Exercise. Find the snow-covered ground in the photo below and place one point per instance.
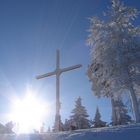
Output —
(130, 132)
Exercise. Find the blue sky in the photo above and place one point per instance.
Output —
(30, 33)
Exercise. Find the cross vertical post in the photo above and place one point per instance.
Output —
(58, 72)
(57, 115)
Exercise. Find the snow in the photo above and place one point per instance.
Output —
(128, 132)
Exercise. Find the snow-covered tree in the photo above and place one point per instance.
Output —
(54, 128)
(139, 104)
(42, 128)
(67, 125)
(49, 129)
(97, 122)
(79, 117)
(3, 129)
(137, 91)
(9, 126)
(114, 115)
(121, 112)
(115, 53)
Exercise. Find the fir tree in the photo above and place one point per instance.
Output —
(114, 115)
(42, 128)
(49, 129)
(67, 125)
(121, 113)
(97, 122)
(54, 129)
(79, 119)
(115, 53)
(9, 126)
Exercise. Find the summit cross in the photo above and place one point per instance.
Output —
(58, 71)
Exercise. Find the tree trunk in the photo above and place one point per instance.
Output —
(133, 98)
(134, 104)
(114, 117)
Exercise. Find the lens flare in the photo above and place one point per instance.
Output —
(28, 113)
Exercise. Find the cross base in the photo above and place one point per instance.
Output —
(58, 124)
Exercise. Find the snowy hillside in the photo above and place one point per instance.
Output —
(131, 132)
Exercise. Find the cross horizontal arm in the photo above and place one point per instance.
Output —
(71, 68)
(46, 75)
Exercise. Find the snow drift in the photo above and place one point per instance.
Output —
(129, 132)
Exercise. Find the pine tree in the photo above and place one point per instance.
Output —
(4, 129)
(79, 119)
(115, 54)
(114, 115)
(42, 128)
(121, 113)
(139, 104)
(67, 125)
(97, 122)
(49, 129)
(54, 129)
(9, 126)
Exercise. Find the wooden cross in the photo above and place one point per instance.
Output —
(58, 72)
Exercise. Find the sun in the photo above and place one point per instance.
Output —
(28, 113)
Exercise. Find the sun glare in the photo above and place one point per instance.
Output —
(28, 113)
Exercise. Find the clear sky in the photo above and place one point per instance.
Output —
(30, 33)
